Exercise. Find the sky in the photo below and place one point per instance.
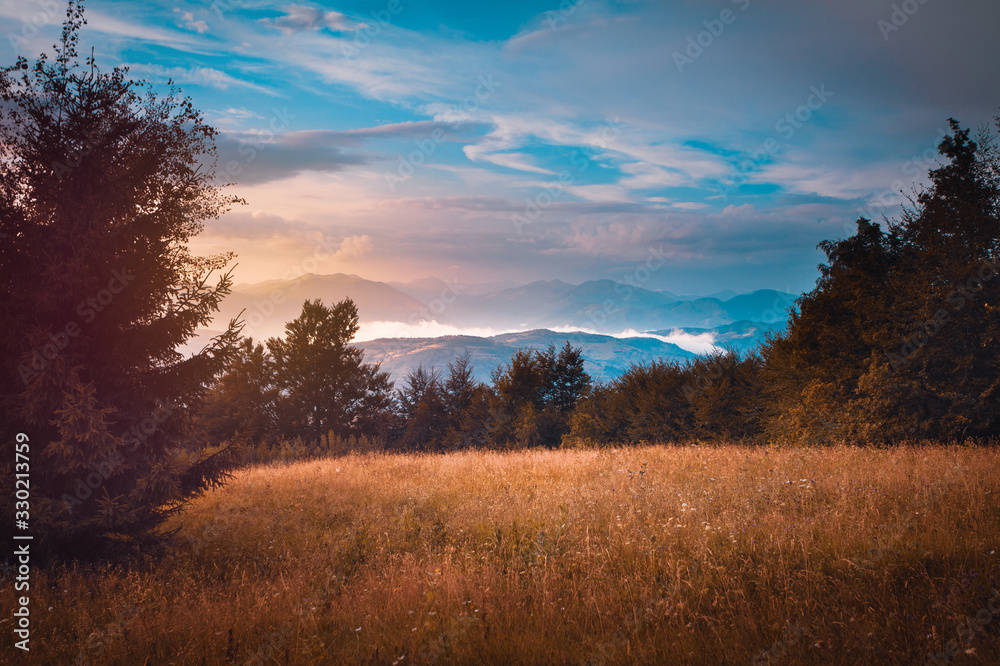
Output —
(715, 143)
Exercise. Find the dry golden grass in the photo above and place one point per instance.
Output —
(652, 555)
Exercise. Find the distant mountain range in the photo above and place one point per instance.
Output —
(601, 306)
(605, 357)
(267, 306)
(741, 336)
(614, 316)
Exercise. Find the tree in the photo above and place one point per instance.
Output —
(535, 394)
(324, 384)
(900, 337)
(103, 183)
(424, 410)
(466, 403)
(243, 404)
(569, 381)
(459, 387)
(649, 402)
(519, 396)
(812, 372)
(725, 402)
(938, 374)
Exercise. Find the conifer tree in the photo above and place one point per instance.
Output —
(900, 337)
(325, 387)
(243, 404)
(424, 410)
(102, 185)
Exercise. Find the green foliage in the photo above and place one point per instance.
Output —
(307, 387)
(243, 404)
(900, 335)
(472, 426)
(103, 184)
(712, 398)
(897, 341)
(423, 410)
(324, 384)
(535, 395)
(726, 403)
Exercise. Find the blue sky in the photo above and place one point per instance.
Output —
(400, 139)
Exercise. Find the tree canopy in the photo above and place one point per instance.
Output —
(103, 184)
(325, 384)
(899, 338)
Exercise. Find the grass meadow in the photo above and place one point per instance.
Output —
(658, 555)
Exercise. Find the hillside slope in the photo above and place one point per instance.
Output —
(605, 357)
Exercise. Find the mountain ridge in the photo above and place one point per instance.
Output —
(605, 356)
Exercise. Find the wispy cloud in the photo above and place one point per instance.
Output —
(368, 90)
(201, 76)
(138, 32)
(198, 25)
(354, 247)
(303, 17)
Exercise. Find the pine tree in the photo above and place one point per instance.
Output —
(466, 406)
(518, 388)
(534, 395)
(938, 373)
(103, 184)
(423, 407)
(459, 386)
(811, 374)
(243, 404)
(569, 380)
(900, 337)
(325, 386)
